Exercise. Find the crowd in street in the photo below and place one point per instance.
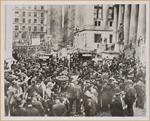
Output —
(103, 86)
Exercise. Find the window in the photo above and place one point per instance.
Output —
(98, 11)
(29, 21)
(29, 14)
(42, 21)
(41, 29)
(16, 12)
(29, 6)
(99, 23)
(98, 38)
(23, 27)
(111, 23)
(35, 28)
(42, 14)
(35, 14)
(16, 20)
(95, 23)
(23, 20)
(41, 36)
(110, 38)
(16, 35)
(24, 35)
(23, 14)
(97, 45)
(110, 13)
(35, 7)
(16, 27)
(42, 7)
(29, 28)
(35, 20)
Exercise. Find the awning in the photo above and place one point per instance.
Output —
(87, 55)
(44, 57)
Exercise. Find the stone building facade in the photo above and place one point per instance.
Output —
(30, 21)
(96, 25)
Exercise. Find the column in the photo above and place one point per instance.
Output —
(105, 15)
(142, 21)
(120, 17)
(115, 25)
(133, 23)
(127, 23)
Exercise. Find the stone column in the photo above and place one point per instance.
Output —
(105, 15)
(133, 23)
(127, 23)
(115, 24)
(142, 21)
(120, 17)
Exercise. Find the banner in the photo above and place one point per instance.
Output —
(35, 41)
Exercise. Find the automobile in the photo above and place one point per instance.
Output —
(43, 60)
(86, 56)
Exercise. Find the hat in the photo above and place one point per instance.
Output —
(19, 101)
(117, 94)
(142, 79)
(115, 82)
(129, 81)
(29, 100)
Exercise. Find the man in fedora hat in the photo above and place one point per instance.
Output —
(105, 96)
(70, 92)
(19, 110)
(140, 89)
(78, 96)
(59, 108)
(30, 110)
(130, 97)
(32, 88)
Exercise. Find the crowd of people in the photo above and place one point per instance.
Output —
(103, 86)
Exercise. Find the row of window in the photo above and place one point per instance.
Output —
(98, 23)
(98, 12)
(29, 7)
(29, 21)
(98, 38)
(29, 14)
(29, 28)
(24, 35)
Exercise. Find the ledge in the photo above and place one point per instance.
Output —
(111, 52)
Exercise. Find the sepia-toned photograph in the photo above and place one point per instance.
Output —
(72, 59)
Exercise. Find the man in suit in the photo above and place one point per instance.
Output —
(38, 105)
(105, 96)
(19, 110)
(59, 108)
(32, 88)
(140, 89)
(130, 97)
(70, 93)
(78, 96)
(30, 110)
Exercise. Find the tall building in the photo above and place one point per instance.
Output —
(8, 34)
(69, 23)
(96, 25)
(30, 21)
(55, 21)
